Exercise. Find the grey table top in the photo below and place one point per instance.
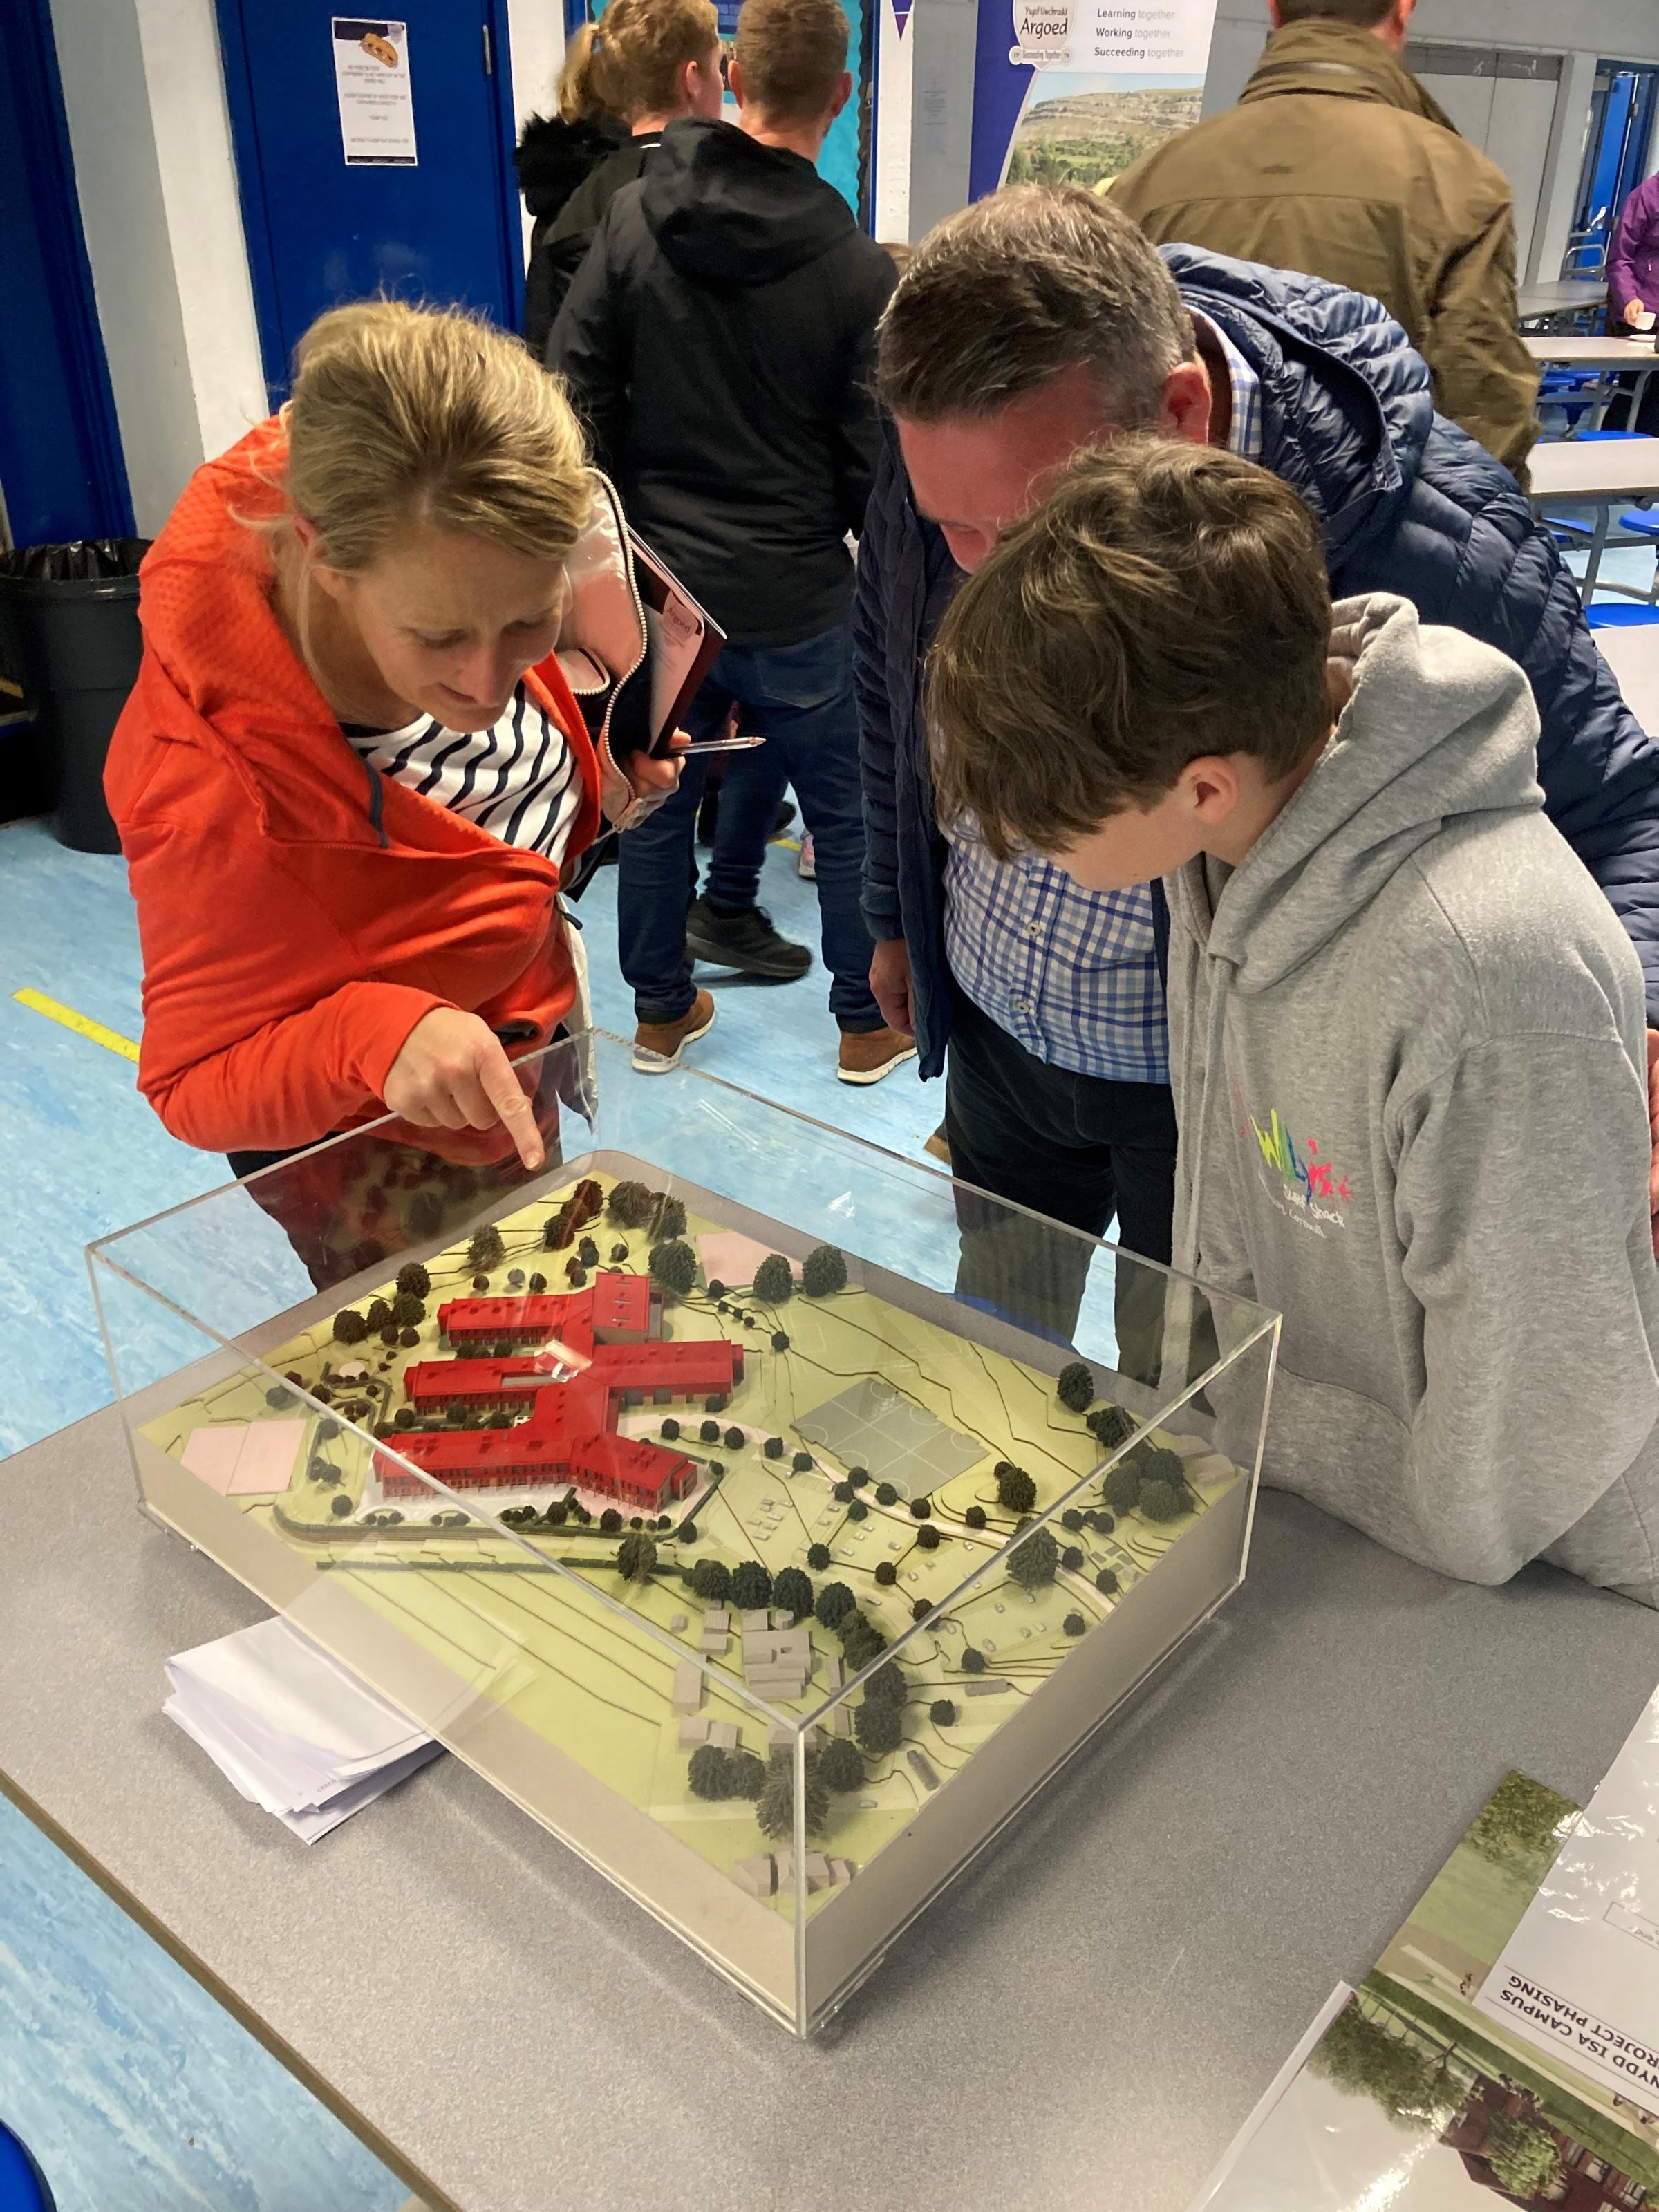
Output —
(1576, 468)
(1084, 2020)
(1634, 655)
(1575, 294)
(1571, 351)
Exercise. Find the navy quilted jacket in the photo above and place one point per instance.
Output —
(1408, 503)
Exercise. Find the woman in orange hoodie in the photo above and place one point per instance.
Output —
(351, 770)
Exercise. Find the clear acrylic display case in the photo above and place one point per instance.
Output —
(740, 1530)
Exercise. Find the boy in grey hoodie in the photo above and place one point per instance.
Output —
(1407, 1033)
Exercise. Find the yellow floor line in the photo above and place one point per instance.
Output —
(55, 1011)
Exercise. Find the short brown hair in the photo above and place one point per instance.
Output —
(1366, 13)
(793, 54)
(629, 64)
(1165, 602)
(1032, 281)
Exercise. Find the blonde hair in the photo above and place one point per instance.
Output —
(577, 98)
(793, 54)
(406, 415)
(629, 64)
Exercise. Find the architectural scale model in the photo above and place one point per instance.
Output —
(758, 1489)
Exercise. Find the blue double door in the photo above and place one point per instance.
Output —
(322, 228)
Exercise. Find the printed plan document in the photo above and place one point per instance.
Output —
(1580, 1975)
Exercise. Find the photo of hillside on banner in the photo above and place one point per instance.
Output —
(1072, 91)
(1413, 2100)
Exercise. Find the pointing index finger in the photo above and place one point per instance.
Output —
(506, 1094)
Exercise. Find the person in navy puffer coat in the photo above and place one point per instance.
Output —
(1327, 393)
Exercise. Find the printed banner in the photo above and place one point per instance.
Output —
(1074, 91)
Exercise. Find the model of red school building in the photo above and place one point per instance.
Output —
(571, 1434)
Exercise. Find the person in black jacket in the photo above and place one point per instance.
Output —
(719, 339)
(649, 63)
(556, 154)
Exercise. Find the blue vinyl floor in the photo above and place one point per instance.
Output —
(138, 2094)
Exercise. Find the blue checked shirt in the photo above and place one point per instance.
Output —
(1073, 973)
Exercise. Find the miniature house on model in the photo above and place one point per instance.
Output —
(571, 1434)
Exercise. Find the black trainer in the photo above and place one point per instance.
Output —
(746, 941)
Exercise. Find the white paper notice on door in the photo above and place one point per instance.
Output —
(377, 103)
(1580, 1975)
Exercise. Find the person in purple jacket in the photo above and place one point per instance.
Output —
(1633, 287)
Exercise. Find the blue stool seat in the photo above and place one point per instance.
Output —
(23, 2186)
(1642, 521)
(1631, 614)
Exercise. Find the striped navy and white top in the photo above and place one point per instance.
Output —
(518, 780)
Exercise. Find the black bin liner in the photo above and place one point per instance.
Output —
(69, 638)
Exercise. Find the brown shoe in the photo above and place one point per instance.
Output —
(868, 1055)
(658, 1045)
(939, 1146)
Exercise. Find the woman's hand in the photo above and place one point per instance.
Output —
(650, 781)
(453, 1074)
(1634, 311)
(649, 775)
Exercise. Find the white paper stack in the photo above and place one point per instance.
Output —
(290, 1728)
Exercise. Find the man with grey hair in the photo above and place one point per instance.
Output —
(1035, 323)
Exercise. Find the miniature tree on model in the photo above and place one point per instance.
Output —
(413, 1280)
(793, 1593)
(834, 1602)
(775, 1808)
(1032, 1563)
(674, 1267)
(818, 1557)
(1164, 1501)
(636, 1555)
(1016, 1491)
(879, 1726)
(349, 1326)
(408, 1311)
(861, 1641)
(631, 1204)
(823, 1272)
(841, 1766)
(773, 1279)
(1121, 1488)
(708, 1773)
(1075, 1387)
(711, 1581)
(1111, 1426)
(486, 1249)
(751, 1587)
(747, 1775)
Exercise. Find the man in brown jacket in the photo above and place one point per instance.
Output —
(1336, 161)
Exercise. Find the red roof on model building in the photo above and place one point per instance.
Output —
(571, 1434)
(614, 1308)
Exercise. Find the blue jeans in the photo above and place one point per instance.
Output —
(801, 695)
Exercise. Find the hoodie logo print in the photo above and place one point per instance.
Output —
(1315, 1180)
